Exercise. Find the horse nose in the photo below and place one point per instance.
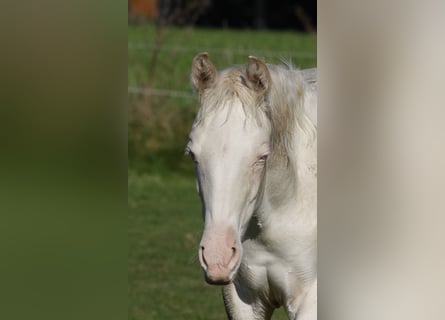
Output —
(202, 258)
(230, 263)
(219, 265)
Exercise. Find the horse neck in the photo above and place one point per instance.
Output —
(291, 176)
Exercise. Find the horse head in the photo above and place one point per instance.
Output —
(229, 144)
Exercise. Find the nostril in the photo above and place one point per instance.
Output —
(233, 259)
(202, 258)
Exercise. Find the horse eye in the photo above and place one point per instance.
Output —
(189, 152)
(262, 160)
(192, 156)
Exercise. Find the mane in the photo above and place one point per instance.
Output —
(283, 107)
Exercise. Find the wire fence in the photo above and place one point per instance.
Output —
(228, 52)
(160, 92)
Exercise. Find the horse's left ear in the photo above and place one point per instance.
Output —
(258, 75)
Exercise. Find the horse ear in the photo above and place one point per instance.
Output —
(258, 75)
(203, 72)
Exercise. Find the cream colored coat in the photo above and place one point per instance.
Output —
(253, 145)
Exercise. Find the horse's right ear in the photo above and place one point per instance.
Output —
(258, 75)
(203, 72)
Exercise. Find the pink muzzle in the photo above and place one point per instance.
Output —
(219, 254)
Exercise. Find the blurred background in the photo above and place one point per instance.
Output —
(165, 226)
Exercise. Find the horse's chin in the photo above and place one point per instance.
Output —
(221, 280)
(218, 282)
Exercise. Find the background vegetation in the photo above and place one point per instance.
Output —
(164, 277)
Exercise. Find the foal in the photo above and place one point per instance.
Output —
(253, 145)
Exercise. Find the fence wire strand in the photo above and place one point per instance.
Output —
(160, 92)
(133, 90)
(270, 53)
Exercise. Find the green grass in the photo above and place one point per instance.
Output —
(165, 281)
(180, 45)
(164, 277)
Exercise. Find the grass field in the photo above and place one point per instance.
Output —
(164, 277)
(165, 281)
(179, 45)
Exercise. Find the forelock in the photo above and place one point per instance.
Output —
(231, 86)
